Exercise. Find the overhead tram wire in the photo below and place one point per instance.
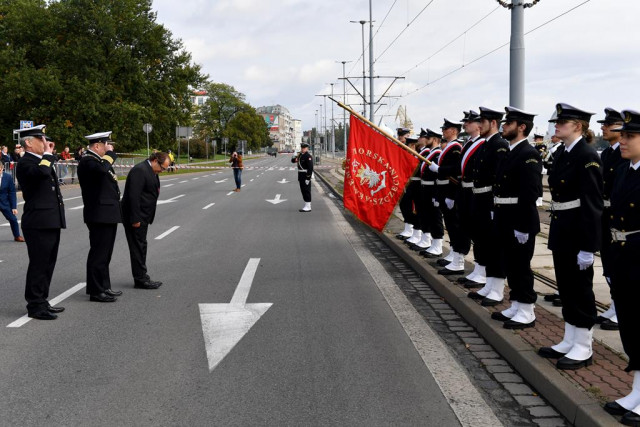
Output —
(495, 50)
(403, 30)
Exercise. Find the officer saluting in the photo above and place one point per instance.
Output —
(42, 219)
(625, 252)
(575, 184)
(305, 172)
(101, 198)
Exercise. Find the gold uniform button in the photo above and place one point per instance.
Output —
(622, 243)
(631, 205)
(622, 219)
(562, 181)
(611, 216)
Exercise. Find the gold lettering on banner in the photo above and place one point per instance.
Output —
(377, 182)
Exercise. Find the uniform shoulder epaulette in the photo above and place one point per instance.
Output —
(532, 161)
(588, 165)
(501, 150)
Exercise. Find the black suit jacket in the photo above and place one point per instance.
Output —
(577, 175)
(625, 204)
(43, 204)
(486, 159)
(449, 167)
(519, 175)
(611, 160)
(141, 193)
(100, 192)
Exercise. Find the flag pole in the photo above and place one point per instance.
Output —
(381, 131)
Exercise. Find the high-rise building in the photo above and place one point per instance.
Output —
(285, 132)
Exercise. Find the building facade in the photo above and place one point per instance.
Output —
(284, 131)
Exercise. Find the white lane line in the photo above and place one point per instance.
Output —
(166, 180)
(243, 185)
(76, 208)
(230, 193)
(250, 180)
(66, 294)
(166, 233)
(193, 179)
(182, 182)
(168, 185)
(462, 396)
(244, 286)
(208, 206)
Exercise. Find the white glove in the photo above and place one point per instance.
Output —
(434, 167)
(491, 215)
(435, 203)
(307, 182)
(585, 260)
(449, 203)
(522, 237)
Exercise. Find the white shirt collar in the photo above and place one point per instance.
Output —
(490, 136)
(97, 155)
(636, 165)
(570, 146)
(512, 146)
(615, 146)
(34, 154)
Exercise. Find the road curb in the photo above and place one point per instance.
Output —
(574, 404)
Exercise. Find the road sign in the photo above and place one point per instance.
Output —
(26, 124)
(147, 127)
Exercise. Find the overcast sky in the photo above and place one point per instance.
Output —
(286, 51)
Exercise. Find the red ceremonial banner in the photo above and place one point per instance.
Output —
(376, 172)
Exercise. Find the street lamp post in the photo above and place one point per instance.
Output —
(371, 112)
(344, 101)
(333, 132)
(364, 78)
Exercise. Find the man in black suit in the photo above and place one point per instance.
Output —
(516, 222)
(42, 219)
(101, 198)
(141, 193)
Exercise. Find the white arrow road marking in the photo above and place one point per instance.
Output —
(284, 181)
(166, 233)
(66, 294)
(208, 206)
(76, 208)
(282, 169)
(171, 200)
(276, 200)
(224, 325)
(218, 182)
(168, 185)
(193, 179)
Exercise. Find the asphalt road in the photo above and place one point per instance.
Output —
(329, 351)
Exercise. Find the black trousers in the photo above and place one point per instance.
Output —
(515, 259)
(137, 240)
(430, 216)
(406, 206)
(42, 248)
(485, 242)
(605, 248)
(626, 294)
(465, 215)
(576, 289)
(305, 189)
(459, 242)
(101, 240)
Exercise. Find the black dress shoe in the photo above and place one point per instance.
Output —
(102, 297)
(43, 315)
(442, 262)
(462, 280)
(609, 325)
(600, 319)
(510, 324)
(401, 237)
(113, 293)
(156, 282)
(486, 302)
(470, 284)
(550, 353)
(302, 210)
(557, 302)
(430, 255)
(631, 419)
(145, 285)
(55, 309)
(567, 364)
(614, 408)
(447, 272)
(497, 315)
(476, 296)
(551, 297)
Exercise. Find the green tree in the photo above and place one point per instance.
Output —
(81, 66)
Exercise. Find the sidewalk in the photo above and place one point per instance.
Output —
(578, 395)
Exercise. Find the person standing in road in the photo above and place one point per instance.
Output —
(9, 202)
(611, 160)
(516, 221)
(575, 234)
(625, 252)
(139, 202)
(42, 219)
(305, 172)
(101, 212)
(236, 164)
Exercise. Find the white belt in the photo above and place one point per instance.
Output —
(505, 200)
(467, 184)
(555, 206)
(442, 181)
(482, 190)
(415, 178)
(607, 203)
(302, 170)
(621, 236)
(428, 182)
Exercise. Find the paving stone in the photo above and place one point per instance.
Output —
(493, 362)
(530, 401)
(454, 323)
(542, 411)
(462, 328)
(468, 335)
(508, 378)
(549, 422)
(499, 369)
(480, 347)
(518, 389)
(450, 317)
(472, 340)
(487, 354)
